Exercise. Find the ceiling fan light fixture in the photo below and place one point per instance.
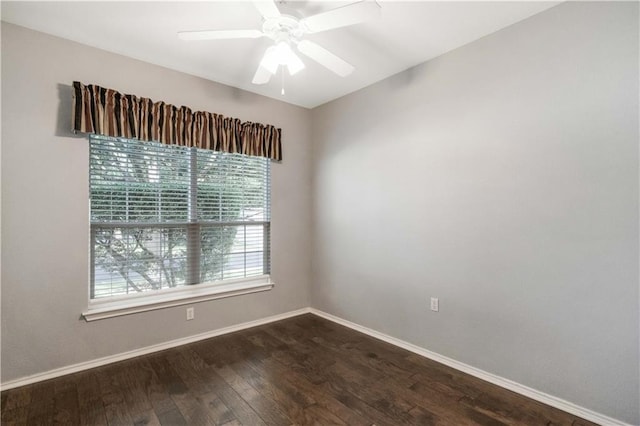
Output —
(281, 54)
(270, 60)
(294, 64)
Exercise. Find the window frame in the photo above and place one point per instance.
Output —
(112, 306)
(143, 302)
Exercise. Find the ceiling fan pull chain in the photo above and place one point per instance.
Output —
(282, 91)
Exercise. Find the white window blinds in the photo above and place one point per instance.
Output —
(166, 216)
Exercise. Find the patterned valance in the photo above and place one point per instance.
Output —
(110, 113)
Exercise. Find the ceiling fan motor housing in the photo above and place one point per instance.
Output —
(285, 28)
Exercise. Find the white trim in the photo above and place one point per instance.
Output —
(146, 350)
(545, 398)
(115, 307)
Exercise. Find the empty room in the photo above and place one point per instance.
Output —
(320, 212)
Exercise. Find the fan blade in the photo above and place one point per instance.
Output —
(342, 16)
(262, 75)
(295, 64)
(325, 58)
(267, 9)
(219, 34)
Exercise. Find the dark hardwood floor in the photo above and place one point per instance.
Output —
(303, 370)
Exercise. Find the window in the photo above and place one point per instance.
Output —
(166, 217)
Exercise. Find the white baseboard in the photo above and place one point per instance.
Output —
(545, 398)
(146, 350)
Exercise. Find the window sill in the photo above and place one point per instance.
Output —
(113, 307)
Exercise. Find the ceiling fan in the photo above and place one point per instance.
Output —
(287, 32)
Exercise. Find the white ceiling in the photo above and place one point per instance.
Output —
(406, 34)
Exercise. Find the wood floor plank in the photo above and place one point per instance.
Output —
(300, 356)
(202, 409)
(317, 415)
(167, 375)
(201, 388)
(193, 410)
(148, 418)
(20, 397)
(243, 376)
(41, 408)
(391, 398)
(278, 385)
(266, 408)
(218, 411)
(382, 398)
(65, 401)
(241, 410)
(303, 370)
(358, 406)
(184, 387)
(301, 359)
(156, 392)
(15, 405)
(172, 417)
(115, 406)
(90, 406)
(441, 405)
(294, 385)
(14, 416)
(131, 379)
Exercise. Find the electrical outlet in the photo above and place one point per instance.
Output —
(435, 304)
(190, 313)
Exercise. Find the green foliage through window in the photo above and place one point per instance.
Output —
(166, 216)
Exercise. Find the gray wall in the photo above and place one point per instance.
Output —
(45, 205)
(501, 177)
